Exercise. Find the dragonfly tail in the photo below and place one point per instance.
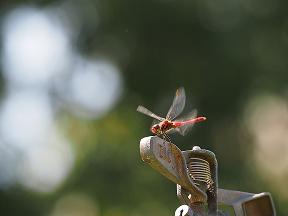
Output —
(184, 126)
(190, 121)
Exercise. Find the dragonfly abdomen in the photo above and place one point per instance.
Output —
(190, 121)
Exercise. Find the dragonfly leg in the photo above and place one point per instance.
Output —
(166, 137)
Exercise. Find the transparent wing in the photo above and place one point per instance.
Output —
(177, 105)
(183, 130)
(147, 112)
(172, 131)
(155, 121)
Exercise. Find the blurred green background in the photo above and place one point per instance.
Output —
(74, 72)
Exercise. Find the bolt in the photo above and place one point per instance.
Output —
(195, 148)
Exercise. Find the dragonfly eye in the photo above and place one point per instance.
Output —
(155, 129)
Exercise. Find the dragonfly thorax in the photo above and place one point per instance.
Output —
(162, 127)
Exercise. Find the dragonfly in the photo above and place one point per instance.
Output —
(170, 124)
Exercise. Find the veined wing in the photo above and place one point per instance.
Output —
(147, 112)
(177, 105)
(183, 130)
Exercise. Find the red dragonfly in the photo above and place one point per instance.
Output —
(169, 124)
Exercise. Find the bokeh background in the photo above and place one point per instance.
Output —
(73, 73)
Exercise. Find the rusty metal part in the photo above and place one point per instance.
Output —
(195, 173)
(203, 167)
(185, 199)
(247, 204)
(168, 159)
(200, 172)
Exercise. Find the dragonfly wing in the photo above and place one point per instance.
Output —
(147, 112)
(155, 121)
(177, 105)
(183, 130)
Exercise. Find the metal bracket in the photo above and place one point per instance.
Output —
(168, 159)
(246, 204)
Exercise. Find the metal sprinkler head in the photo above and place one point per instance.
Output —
(195, 172)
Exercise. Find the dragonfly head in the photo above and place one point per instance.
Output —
(155, 129)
